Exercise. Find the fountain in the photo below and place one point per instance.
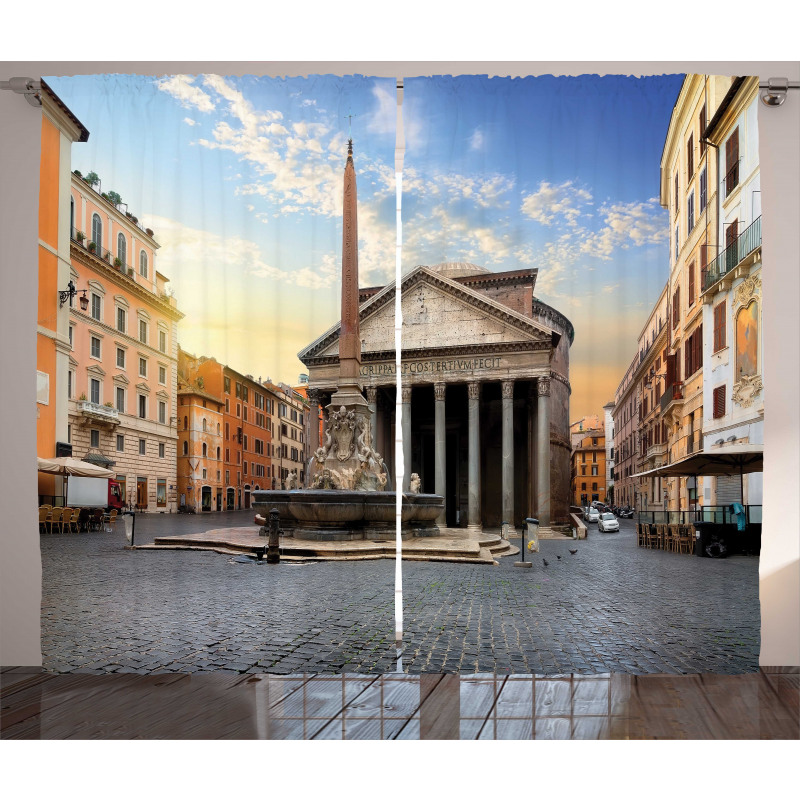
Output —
(346, 496)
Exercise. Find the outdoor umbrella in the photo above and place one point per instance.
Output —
(741, 458)
(72, 466)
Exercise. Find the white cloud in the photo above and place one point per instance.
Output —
(190, 121)
(193, 256)
(627, 225)
(549, 204)
(476, 140)
(182, 88)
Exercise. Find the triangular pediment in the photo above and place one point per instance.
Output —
(437, 312)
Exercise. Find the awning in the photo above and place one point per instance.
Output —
(66, 465)
(99, 459)
(735, 459)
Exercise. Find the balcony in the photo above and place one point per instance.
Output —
(723, 267)
(105, 255)
(673, 395)
(94, 412)
(656, 450)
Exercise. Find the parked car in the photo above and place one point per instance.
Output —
(607, 523)
(592, 514)
(626, 513)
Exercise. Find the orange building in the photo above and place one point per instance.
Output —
(246, 431)
(122, 381)
(200, 441)
(289, 433)
(589, 467)
(60, 128)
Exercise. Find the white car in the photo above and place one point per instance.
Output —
(592, 514)
(608, 522)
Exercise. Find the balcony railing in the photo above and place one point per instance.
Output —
(96, 410)
(733, 255)
(101, 252)
(671, 393)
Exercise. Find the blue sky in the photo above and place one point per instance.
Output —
(240, 178)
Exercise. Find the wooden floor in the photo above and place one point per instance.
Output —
(38, 705)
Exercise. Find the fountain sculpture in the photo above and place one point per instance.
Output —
(347, 498)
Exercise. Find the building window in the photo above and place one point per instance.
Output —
(676, 244)
(120, 358)
(143, 264)
(676, 307)
(96, 306)
(71, 336)
(693, 352)
(120, 399)
(703, 190)
(690, 156)
(120, 443)
(719, 402)
(719, 326)
(205, 425)
(70, 384)
(69, 434)
(161, 449)
(95, 347)
(227, 382)
(677, 196)
(161, 492)
(218, 453)
(162, 374)
(227, 476)
(594, 487)
(142, 447)
(185, 447)
(122, 323)
(205, 450)
(162, 412)
(691, 284)
(162, 341)
(702, 130)
(732, 162)
(142, 331)
(142, 407)
(94, 438)
(94, 391)
(594, 469)
(142, 367)
(122, 249)
(690, 211)
(205, 473)
(227, 406)
(97, 231)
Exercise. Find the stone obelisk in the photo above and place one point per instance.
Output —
(348, 392)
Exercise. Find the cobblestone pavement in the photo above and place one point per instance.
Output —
(613, 607)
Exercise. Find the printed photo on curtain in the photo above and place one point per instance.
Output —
(217, 335)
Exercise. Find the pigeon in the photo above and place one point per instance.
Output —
(546, 562)
(558, 557)
(572, 552)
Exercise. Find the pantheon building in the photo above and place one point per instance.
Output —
(485, 390)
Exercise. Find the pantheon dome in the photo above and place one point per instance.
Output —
(458, 269)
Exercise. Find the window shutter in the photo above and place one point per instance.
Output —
(719, 326)
(699, 343)
(719, 402)
(690, 156)
(691, 283)
(702, 130)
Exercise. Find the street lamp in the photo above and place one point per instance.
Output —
(69, 293)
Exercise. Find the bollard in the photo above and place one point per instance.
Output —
(273, 553)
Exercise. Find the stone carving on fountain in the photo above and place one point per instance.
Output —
(347, 459)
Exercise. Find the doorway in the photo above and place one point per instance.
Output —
(141, 493)
(205, 498)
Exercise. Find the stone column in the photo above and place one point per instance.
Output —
(474, 458)
(508, 457)
(314, 397)
(543, 452)
(406, 429)
(372, 403)
(440, 440)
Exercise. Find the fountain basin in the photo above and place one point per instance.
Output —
(343, 515)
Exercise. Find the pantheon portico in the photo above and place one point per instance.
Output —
(485, 390)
